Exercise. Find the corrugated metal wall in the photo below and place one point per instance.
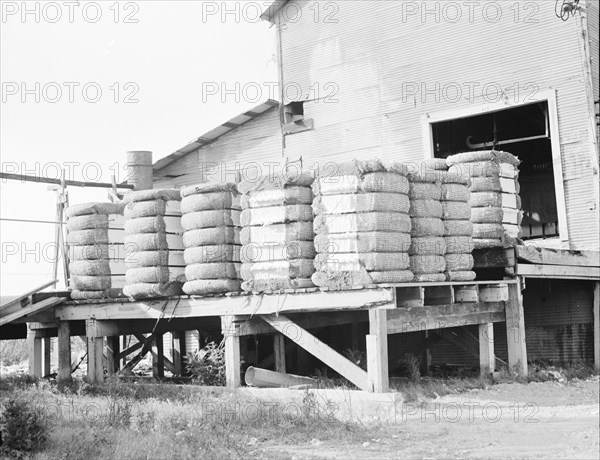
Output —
(364, 78)
(255, 144)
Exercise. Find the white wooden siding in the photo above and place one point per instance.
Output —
(374, 51)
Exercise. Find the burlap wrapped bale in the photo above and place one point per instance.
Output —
(427, 226)
(206, 287)
(459, 262)
(151, 195)
(494, 184)
(459, 244)
(422, 264)
(145, 209)
(457, 227)
(380, 261)
(111, 293)
(278, 233)
(209, 201)
(276, 215)
(455, 192)
(86, 209)
(361, 202)
(495, 199)
(425, 208)
(484, 155)
(429, 278)
(278, 270)
(376, 182)
(432, 245)
(280, 284)
(88, 237)
(425, 191)
(213, 271)
(212, 253)
(292, 178)
(90, 267)
(209, 187)
(152, 290)
(363, 222)
(484, 243)
(145, 225)
(213, 218)
(87, 222)
(89, 252)
(348, 280)
(277, 197)
(90, 283)
(211, 236)
(160, 274)
(455, 210)
(467, 275)
(254, 252)
(145, 242)
(362, 242)
(358, 168)
(148, 258)
(486, 169)
(490, 215)
(488, 231)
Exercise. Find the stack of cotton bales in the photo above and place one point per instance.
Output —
(153, 244)
(495, 203)
(428, 247)
(277, 233)
(458, 229)
(211, 222)
(362, 225)
(95, 242)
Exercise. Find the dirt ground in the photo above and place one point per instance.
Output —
(537, 420)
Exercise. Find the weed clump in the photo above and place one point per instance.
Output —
(24, 426)
(207, 365)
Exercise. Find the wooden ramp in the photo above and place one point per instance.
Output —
(24, 305)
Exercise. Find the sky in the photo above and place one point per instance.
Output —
(85, 82)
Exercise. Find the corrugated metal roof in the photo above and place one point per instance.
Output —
(217, 132)
(272, 10)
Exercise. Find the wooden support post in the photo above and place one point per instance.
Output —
(425, 368)
(34, 351)
(597, 326)
(279, 352)
(124, 347)
(178, 353)
(377, 351)
(232, 361)
(47, 356)
(158, 359)
(515, 330)
(487, 360)
(95, 370)
(64, 350)
(112, 354)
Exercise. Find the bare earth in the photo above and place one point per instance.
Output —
(537, 420)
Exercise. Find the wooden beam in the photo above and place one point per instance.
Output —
(112, 353)
(248, 305)
(34, 351)
(31, 309)
(103, 328)
(178, 352)
(64, 351)
(558, 271)
(320, 350)
(95, 352)
(51, 180)
(17, 301)
(493, 293)
(466, 294)
(47, 356)
(487, 361)
(544, 256)
(377, 352)
(597, 326)
(515, 331)
(158, 357)
(443, 316)
(279, 353)
(232, 361)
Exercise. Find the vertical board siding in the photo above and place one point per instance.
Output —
(389, 68)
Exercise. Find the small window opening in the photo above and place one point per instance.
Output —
(523, 131)
(294, 121)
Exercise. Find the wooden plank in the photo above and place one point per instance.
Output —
(96, 328)
(55, 181)
(17, 300)
(34, 352)
(558, 271)
(410, 296)
(112, 353)
(158, 357)
(32, 309)
(178, 352)
(95, 370)
(439, 295)
(64, 350)
(232, 361)
(377, 352)
(546, 256)
(320, 350)
(466, 294)
(241, 305)
(493, 293)
(515, 331)
(443, 316)
(487, 360)
(494, 258)
(597, 326)
(279, 353)
(47, 356)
